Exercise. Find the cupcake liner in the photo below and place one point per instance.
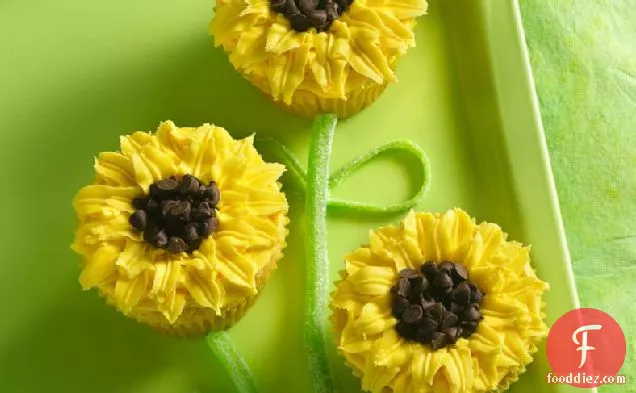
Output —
(198, 321)
(309, 105)
(205, 320)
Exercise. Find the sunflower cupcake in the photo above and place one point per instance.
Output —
(181, 229)
(317, 56)
(438, 304)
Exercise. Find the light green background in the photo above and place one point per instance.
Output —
(75, 74)
(583, 53)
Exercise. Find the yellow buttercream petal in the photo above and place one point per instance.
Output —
(372, 280)
(185, 292)
(340, 70)
(490, 359)
(99, 267)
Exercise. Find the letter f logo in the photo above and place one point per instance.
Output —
(584, 348)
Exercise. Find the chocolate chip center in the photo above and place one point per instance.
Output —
(437, 304)
(177, 214)
(305, 14)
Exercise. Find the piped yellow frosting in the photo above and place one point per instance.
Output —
(490, 359)
(182, 293)
(338, 71)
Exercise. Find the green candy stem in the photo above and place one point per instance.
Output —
(317, 284)
(337, 205)
(316, 185)
(224, 349)
(299, 176)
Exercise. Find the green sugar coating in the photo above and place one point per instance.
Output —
(225, 351)
(317, 280)
(316, 185)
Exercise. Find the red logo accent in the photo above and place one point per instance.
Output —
(587, 344)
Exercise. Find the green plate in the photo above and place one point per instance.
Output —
(75, 74)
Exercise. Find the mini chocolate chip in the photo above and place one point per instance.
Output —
(189, 184)
(417, 283)
(167, 186)
(152, 206)
(190, 232)
(139, 220)
(150, 232)
(426, 303)
(177, 245)
(436, 299)
(412, 314)
(448, 320)
(160, 239)
(456, 309)
(399, 305)
(209, 226)
(468, 327)
(204, 210)
(292, 8)
(279, 6)
(169, 208)
(452, 334)
(153, 190)
(461, 293)
(460, 273)
(140, 203)
(471, 314)
(423, 336)
(307, 6)
(405, 330)
(180, 210)
(204, 206)
(438, 340)
(167, 205)
(443, 280)
(476, 296)
(194, 244)
(429, 269)
(404, 287)
(425, 284)
(332, 10)
(299, 22)
(435, 311)
(409, 273)
(443, 293)
(428, 325)
(212, 193)
(447, 266)
(318, 18)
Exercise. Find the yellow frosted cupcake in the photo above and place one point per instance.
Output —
(312, 57)
(438, 304)
(181, 229)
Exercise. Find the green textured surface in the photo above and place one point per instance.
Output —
(75, 74)
(583, 54)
